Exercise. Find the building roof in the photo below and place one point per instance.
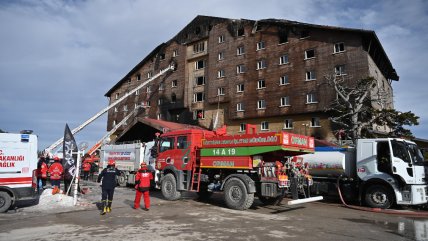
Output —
(370, 42)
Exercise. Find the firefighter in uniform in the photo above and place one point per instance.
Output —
(42, 173)
(56, 170)
(142, 181)
(108, 176)
(86, 169)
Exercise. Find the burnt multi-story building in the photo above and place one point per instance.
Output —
(270, 73)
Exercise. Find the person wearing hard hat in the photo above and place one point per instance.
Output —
(86, 169)
(142, 181)
(108, 176)
(56, 171)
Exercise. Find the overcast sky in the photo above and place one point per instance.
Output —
(59, 58)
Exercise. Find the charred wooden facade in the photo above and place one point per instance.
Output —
(268, 72)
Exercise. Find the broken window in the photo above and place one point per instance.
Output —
(242, 127)
(198, 97)
(199, 47)
(138, 76)
(200, 64)
(339, 70)
(283, 36)
(200, 80)
(339, 47)
(309, 54)
(174, 83)
(315, 122)
(240, 31)
(304, 34)
(162, 56)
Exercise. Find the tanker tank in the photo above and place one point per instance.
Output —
(331, 162)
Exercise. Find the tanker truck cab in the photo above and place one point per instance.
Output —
(392, 171)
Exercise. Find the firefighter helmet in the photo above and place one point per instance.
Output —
(111, 162)
(143, 164)
(56, 158)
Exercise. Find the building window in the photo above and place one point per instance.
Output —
(240, 50)
(260, 45)
(198, 97)
(240, 107)
(138, 77)
(135, 106)
(261, 64)
(264, 126)
(285, 101)
(149, 75)
(125, 108)
(310, 75)
(240, 88)
(198, 114)
(160, 101)
(261, 84)
(283, 59)
(242, 127)
(240, 31)
(240, 69)
(114, 122)
(221, 39)
(339, 47)
(162, 56)
(261, 104)
(117, 96)
(288, 124)
(199, 47)
(175, 53)
(149, 89)
(309, 54)
(220, 73)
(221, 56)
(315, 122)
(115, 109)
(159, 116)
(200, 80)
(283, 37)
(174, 83)
(173, 98)
(220, 91)
(311, 98)
(161, 86)
(339, 70)
(137, 92)
(200, 64)
(129, 81)
(283, 80)
(146, 103)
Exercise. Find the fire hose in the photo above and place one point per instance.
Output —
(379, 210)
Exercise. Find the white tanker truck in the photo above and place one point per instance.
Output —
(378, 172)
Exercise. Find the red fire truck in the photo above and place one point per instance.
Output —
(240, 166)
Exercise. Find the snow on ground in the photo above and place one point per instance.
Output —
(58, 202)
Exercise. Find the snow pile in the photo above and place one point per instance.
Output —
(54, 203)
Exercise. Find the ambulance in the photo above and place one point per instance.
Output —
(18, 165)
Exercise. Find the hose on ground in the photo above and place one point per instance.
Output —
(379, 210)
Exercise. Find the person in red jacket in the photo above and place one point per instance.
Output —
(42, 173)
(86, 169)
(56, 170)
(142, 180)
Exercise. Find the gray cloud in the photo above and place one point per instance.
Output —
(59, 58)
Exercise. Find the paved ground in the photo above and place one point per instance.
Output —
(189, 219)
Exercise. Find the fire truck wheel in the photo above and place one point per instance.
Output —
(121, 180)
(236, 195)
(378, 196)
(169, 188)
(5, 202)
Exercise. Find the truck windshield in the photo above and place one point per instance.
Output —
(416, 154)
(399, 149)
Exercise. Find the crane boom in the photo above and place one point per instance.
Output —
(79, 128)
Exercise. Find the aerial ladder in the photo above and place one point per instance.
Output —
(90, 120)
(123, 121)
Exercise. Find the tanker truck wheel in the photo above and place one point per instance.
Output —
(5, 202)
(379, 196)
(169, 188)
(236, 195)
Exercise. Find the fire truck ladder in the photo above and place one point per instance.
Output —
(196, 175)
(90, 120)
